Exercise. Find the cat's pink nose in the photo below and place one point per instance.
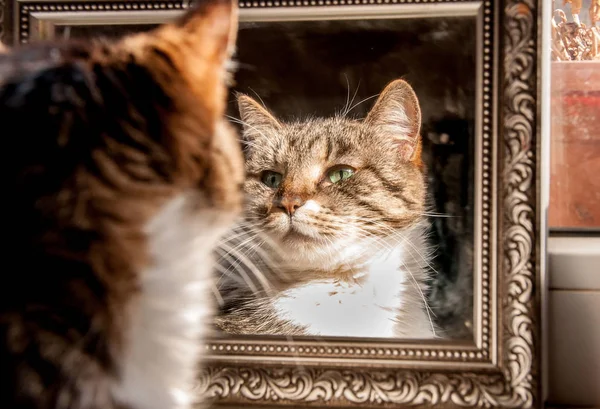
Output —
(290, 204)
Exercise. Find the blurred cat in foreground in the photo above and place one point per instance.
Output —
(120, 179)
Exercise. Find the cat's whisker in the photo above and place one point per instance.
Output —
(433, 215)
(234, 119)
(248, 238)
(348, 108)
(330, 249)
(243, 278)
(244, 258)
(264, 256)
(228, 249)
(414, 248)
(217, 294)
(428, 309)
(234, 235)
(234, 263)
(377, 242)
(397, 235)
(245, 124)
(264, 236)
(259, 98)
(347, 104)
(242, 230)
(361, 102)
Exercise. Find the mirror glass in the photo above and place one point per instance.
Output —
(359, 138)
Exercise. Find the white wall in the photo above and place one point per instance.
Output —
(573, 332)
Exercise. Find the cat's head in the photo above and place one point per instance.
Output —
(100, 130)
(332, 189)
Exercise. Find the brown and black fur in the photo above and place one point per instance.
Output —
(331, 245)
(97, 137)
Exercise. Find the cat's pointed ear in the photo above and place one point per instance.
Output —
(256, 119)
(397, 115)
(199, 44)
(208, 28)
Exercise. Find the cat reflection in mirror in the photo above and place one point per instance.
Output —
(333, 242)
(120, 176)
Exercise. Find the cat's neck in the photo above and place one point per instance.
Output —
(366, 260)
(382, 293)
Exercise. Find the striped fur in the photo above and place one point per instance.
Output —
(352, 259)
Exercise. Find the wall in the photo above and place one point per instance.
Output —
(574, 321)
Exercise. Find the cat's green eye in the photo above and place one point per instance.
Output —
(338, 174)
(271, 179)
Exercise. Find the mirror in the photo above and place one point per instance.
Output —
(385, 251)
(368, 120)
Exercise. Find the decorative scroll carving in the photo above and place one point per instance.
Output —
(519, 192)
(342, 387)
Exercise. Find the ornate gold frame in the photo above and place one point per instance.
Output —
(501, 367)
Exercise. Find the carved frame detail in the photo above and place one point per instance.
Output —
(501, 368)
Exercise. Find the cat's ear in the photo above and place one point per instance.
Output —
(3, 48)
(256, 118)
(397, 115)
(197, 46)
(207, 29)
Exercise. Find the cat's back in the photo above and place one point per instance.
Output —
(119, 179)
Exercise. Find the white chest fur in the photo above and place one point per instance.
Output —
(368, 309)
(163, 342)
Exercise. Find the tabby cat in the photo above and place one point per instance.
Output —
(120, 177)
(333, 242)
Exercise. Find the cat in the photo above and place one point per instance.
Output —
(345, 64)
(339, 206)
(121, 175)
